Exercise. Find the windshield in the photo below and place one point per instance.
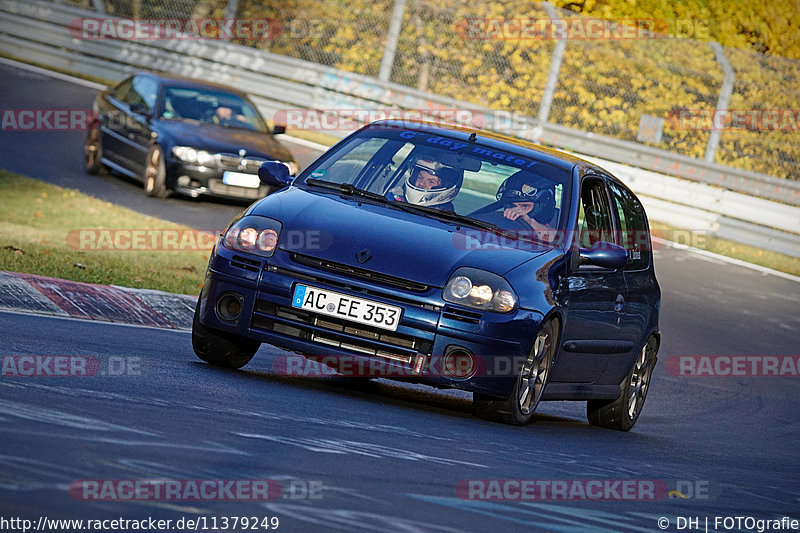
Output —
(502, 188)
(212, 107)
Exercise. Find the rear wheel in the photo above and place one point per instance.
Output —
(623, 412)
(155, 174)
(520, 405)
(220, 348)
(93, 153)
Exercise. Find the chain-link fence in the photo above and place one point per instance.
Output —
(501, 54)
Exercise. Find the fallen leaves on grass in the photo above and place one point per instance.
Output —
(14, 250)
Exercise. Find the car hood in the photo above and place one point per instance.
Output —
(217, 139)
(401, 244)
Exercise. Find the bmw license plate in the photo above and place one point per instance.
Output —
(240, 179)
(346, 307)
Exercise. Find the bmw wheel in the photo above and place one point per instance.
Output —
(519, 407)
(623, 412)
(93, 153)
(155, 174)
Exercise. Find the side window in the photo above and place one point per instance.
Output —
(594, 214)
(143, 91)
(347, 168)
(122, 90)
(634, 233)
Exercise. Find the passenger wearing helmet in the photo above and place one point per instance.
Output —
(529, 198)
(431, 184)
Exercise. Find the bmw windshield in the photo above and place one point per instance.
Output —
(450, 178)
(211, 107)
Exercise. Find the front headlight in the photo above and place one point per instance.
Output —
(254, 234)
(480, 289)
(187, 154)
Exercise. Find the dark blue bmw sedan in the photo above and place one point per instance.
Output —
(178, 134)
(447, 256)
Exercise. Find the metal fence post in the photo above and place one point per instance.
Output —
(391, 40)
(555, 67)
(729, 76)
(231, 9)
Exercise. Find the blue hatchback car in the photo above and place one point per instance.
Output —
(458, 258)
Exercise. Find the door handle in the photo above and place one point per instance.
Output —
(618, 303)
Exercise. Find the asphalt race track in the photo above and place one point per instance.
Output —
(381, 455)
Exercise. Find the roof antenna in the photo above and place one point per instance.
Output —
(472, 137)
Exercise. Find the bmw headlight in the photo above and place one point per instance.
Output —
(254, 234)
(480, 289)
(190, 155)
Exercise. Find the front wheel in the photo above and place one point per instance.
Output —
(220, 348)
(520, 405)
(155, 174)
(93, 153)
(623, 412)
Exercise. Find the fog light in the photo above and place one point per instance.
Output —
(459, 363)
(229, 307)
(184, 181)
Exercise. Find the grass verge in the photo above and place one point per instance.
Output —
(39, 234)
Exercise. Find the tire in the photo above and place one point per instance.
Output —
(520, 405)
(93, 153)
(220, 348)
(622, 413)
(155, 174)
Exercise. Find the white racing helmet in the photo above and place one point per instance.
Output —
(451, 184)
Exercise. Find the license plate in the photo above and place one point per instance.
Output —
(240, 179)
(346, 307)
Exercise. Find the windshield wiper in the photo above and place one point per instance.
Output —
(460, 219)
(348, 189)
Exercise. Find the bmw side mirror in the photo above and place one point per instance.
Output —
(140, 109)
(274, 174)
(605, 255)
(277, 129)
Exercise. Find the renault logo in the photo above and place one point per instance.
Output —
(363, 256)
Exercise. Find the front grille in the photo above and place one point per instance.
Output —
(359, 273)
(337, 333)
(367, 293)
(217, 187)
(234, 162)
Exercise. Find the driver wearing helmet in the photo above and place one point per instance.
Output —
(531, 199)
(430, 184)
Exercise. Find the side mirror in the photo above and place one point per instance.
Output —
(274, 174)
(604, 254)
(278, 129)
(140, 109)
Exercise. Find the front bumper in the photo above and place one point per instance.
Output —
(196, 180)
(428, 331)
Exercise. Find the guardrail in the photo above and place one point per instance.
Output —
(39, 32)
